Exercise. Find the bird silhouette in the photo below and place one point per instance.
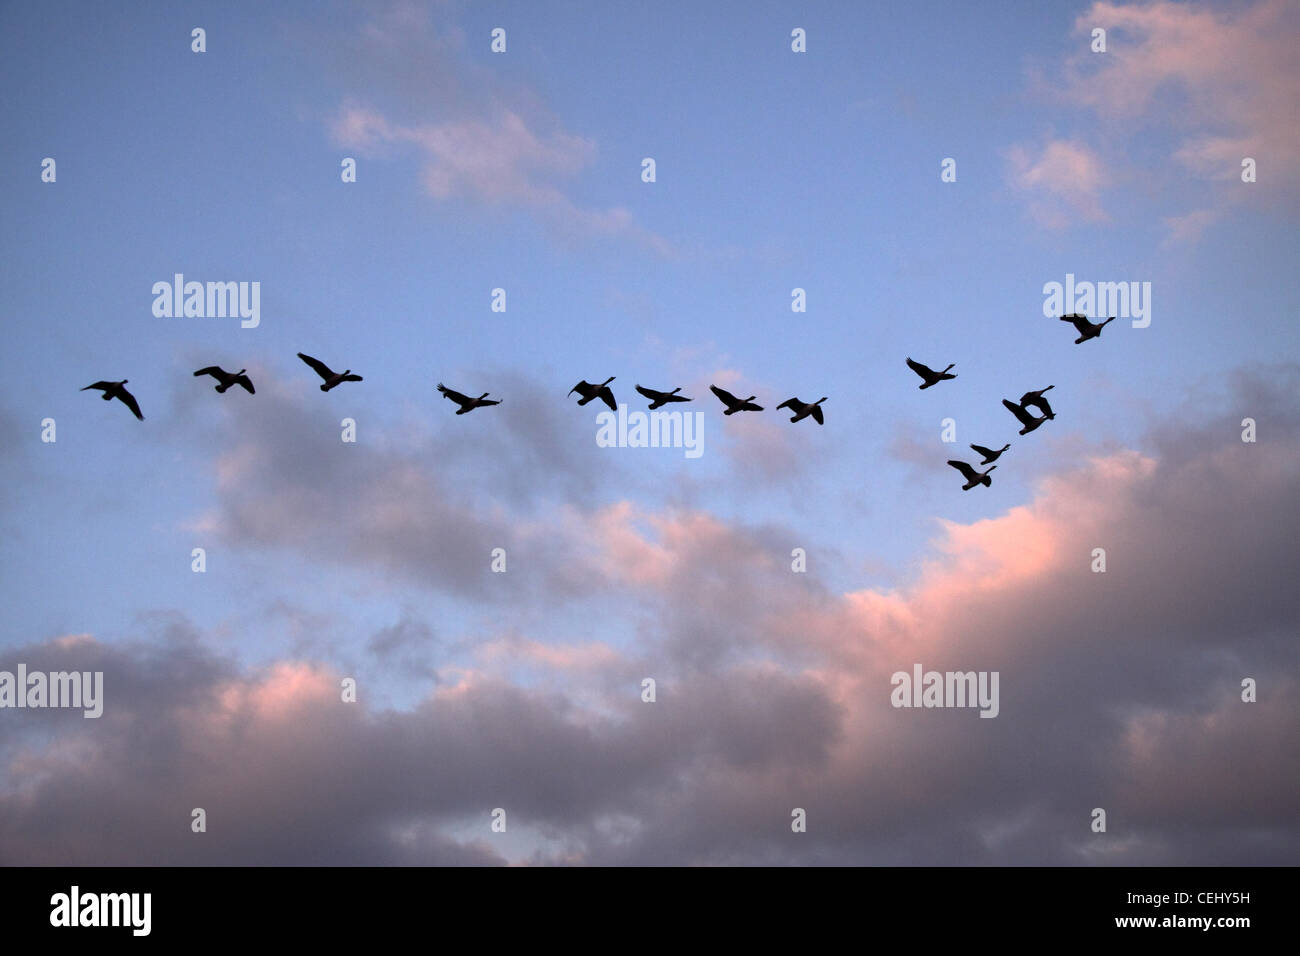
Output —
(601, 391)
(973, 477)
(227, 379)
(662, 398)
(332, 378)
(803, 410)
(990, 454)
(1029, 421)
(930, 375)
(113, 390)
(733, 403)
(1037, 399)
(466, 403)
(1087, 330)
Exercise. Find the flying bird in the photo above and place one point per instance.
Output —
(227, 379)
(1087, 330)
(733, 403)
(113, 390)
(589, 391)
(803, 410)
(662, 398)
(1037, 399)
(990, 454)
(331, 377)
(466, 403)
(1029, 421)
(930, 375)
(972, 476)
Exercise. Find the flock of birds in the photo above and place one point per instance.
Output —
(588, 392)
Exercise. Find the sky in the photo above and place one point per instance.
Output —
(820, 170)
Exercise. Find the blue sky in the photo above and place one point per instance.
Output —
(775, 170)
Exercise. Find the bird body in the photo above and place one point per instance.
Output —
(466, 403)
(733, 403)
(930, 376)
(226, 379)
(1022, 415)
(658, 398)
(973, 477)
(601, 391)
(803, 409)
(116, 390)
(331, 377)
(990, 454)
(1087, 330)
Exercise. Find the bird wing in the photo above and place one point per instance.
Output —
(970, 473)
(919, 369)
(982, 450)
(581, 388)
(102, 386)
(727, 398)
(1080, 322)
(490, 401)
(454, 395)
(1020, 413)
(791, 403)
(817, 414)
(213, 370)
(751, 407)
(1043, 404)
(607, 396)
(247, 382)
(323, 370)
(129, 400)
(677, 398)
(650, 393)
(352, 378)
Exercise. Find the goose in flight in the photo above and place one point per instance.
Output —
(1087, 330)
(589, 391)
(802, 410)
(227, 379)
(972, 476)
(113, 390)
(662, 398)
(930, 375)
(1029, 421)
(733, 403)
(990, 454)
(466, 403)
(331, 377)
(1036, 398)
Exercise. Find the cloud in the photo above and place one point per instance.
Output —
(1062, 182)
(1118, 689)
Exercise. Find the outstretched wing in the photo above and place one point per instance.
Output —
(323, 370)
(970, 473)
(791, 403)
(247, 382)
(1043, 405)
(751, 407)
(817, 414)
(1080, 322)
(454, 395)
(129, 400)
(102, 386)
(1020, 413)
(921, 370)
(490, 401)
(727, 398)
(352, 378)
(582, 388)
(980, 449)
(676, 398)
(213, 370)
(650, 393)
(607, 396)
